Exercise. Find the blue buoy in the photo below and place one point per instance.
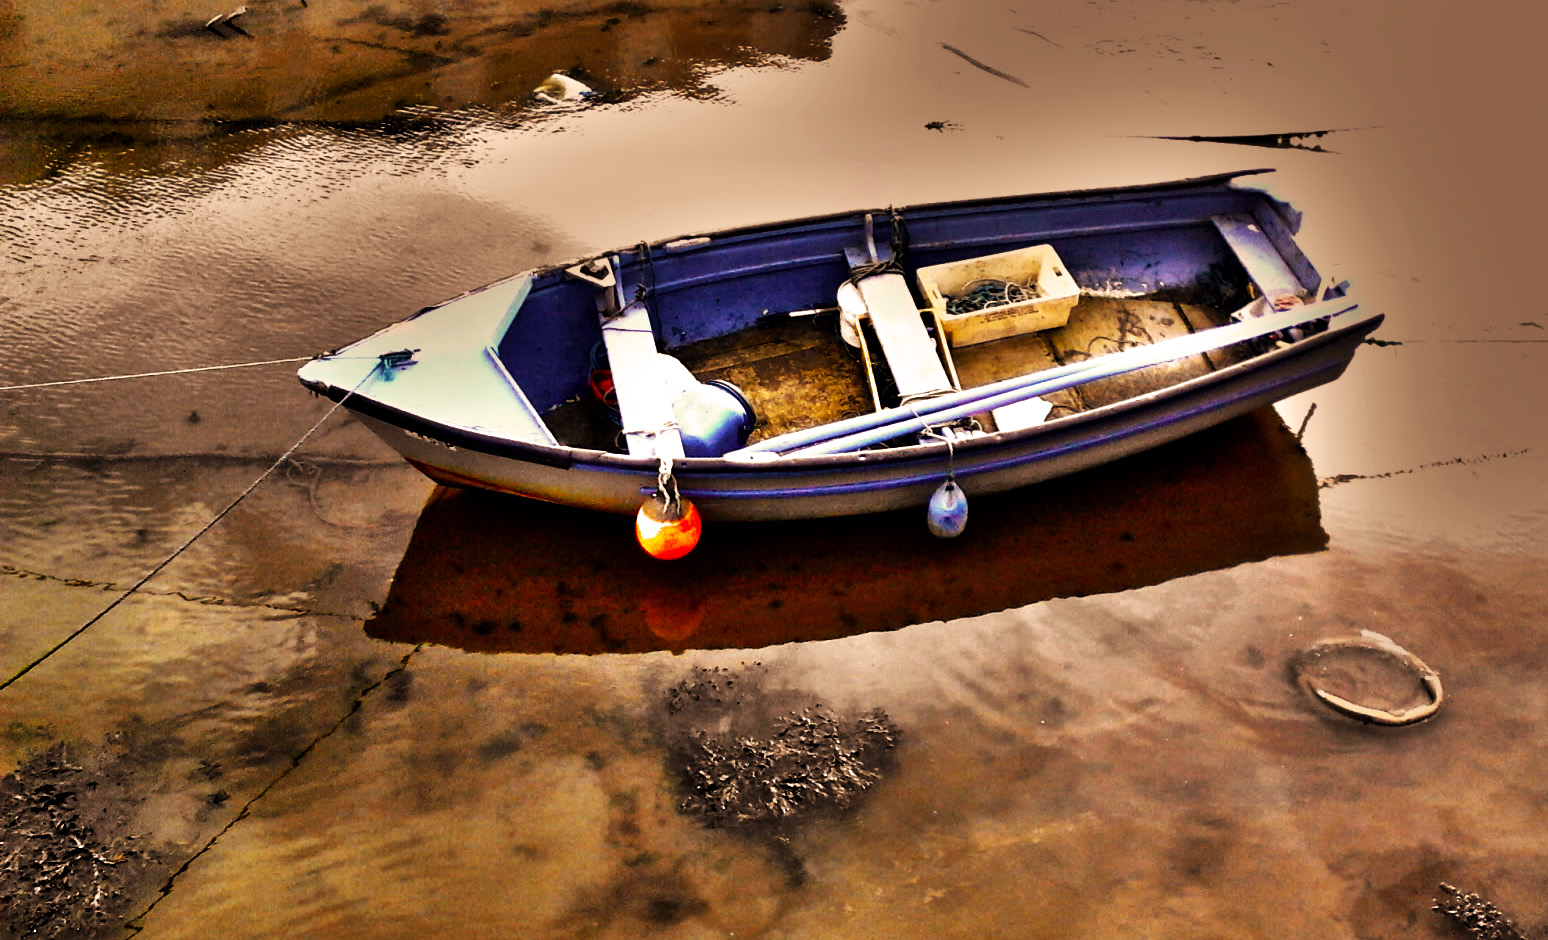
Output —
(947, 514)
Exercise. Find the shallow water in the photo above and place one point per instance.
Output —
(363, 707)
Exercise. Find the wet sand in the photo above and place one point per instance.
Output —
(291, 731)
(149, 82)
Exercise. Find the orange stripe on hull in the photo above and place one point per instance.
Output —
(449, 478)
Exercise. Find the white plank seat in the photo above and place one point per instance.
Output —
(646, 380)
(1274, 275)
(911, 354)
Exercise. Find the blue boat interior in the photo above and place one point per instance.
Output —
(757, 307)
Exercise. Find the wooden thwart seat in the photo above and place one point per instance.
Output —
(911, 354)
(645, 381)
(1268, 269)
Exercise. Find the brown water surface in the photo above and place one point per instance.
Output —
(145, 87)
(359, 706)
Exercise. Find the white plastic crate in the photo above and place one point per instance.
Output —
(1037, 268)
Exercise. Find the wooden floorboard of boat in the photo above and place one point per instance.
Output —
(795, 373)
(985, 363)
(1203, 318)
(1100, 326)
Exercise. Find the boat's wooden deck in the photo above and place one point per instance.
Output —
(1097, 326)
(798, 373)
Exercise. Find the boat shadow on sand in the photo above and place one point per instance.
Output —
(491, 573)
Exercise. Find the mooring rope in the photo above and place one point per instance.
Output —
(148, 375)
(136, 924)
(196, 536)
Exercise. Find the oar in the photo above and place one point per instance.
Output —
(905, 421)
(894, 422)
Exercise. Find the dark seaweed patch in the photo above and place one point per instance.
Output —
(811, 760)
(1475, 915)
(66, 869)
(745, 756)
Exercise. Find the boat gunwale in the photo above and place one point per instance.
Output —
(944, 208)
(716, 238)
(640, 253)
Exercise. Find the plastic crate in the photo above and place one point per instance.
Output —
(1037, 267)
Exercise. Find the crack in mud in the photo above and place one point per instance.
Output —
(1293, 140)
(1033, 32)
(207, 600)
(987, 68)
(136, 924)
(1301, 431)
(1338, 478)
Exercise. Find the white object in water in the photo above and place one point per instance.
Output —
(561, 87)
(225, 19)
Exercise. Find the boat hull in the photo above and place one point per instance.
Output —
(875, 481)
(471, 391)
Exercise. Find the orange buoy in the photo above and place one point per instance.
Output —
(667, 530)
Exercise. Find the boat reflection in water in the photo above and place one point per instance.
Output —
(491, 573)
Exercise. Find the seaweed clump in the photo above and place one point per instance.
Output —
(61, 874)
(1477, 916)
(811, 760)
(746, 758)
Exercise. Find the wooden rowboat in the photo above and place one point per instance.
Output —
(828, 366)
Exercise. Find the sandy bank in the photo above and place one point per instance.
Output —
(137, 74)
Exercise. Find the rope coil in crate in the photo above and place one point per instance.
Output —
(989, 292)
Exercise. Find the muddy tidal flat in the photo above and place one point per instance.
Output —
(155, 82)
(249, 697)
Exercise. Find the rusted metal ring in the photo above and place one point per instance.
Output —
(1370, 640)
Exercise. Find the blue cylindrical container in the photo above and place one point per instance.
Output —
(714, 419)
